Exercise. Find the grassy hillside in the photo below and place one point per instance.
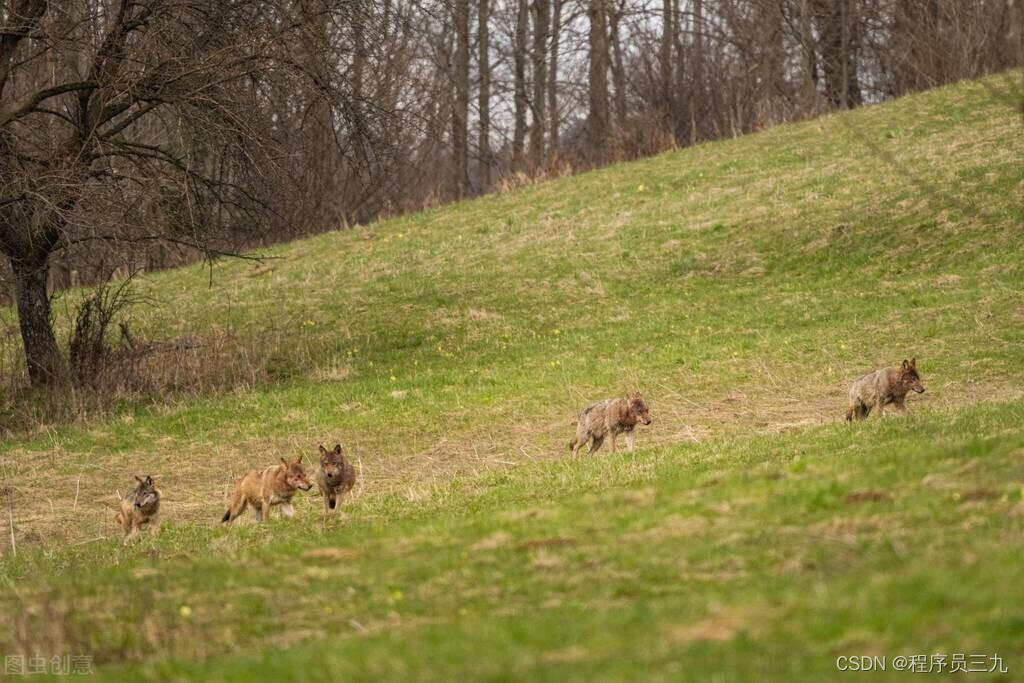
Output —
(740, 284)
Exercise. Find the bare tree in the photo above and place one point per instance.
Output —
(519, 57)
(460, 117)
(598, 125)
(540, 11)
(556, 32)
(124, 123)
(615, 13)
(484, 95)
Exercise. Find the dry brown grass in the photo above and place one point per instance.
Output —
(76, 502)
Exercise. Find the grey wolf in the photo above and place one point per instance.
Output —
(275, 485)
(883, 387)
(138, 508)
(335, 478)
(612, 416)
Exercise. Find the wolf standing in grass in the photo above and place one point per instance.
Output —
(276, 485)
(138, 508)
(882, 387)
(336, 477)
(612, 416)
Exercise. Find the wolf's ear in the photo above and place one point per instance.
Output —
(139, 479)
(149, 480)
(337, 449)
(913, 362)
(284, 462)
(906, 364)
(298, 461)
(323, 451)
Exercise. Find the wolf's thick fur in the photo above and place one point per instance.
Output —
(138, 508)
(276, 485)
(612, 416)
(883, 387)
(335, 478)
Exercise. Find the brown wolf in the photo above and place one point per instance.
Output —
(336, 477)
(612, 416)
(138, 508)
(882, 387)
(276, 485)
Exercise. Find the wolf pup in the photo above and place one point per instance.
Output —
(612, 416)
(276, 485)
(336, 477)
(882, 387)
(138, 508)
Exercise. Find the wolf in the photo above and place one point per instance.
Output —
(138, 508)
(336, 477)
(275, 485)
(612, 416)
(882, 387)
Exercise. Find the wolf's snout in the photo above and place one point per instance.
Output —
(306, 487)
(919, 390)
(648, 421)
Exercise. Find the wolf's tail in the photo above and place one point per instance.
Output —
(227, 516)
(332, 503)
(572, 444)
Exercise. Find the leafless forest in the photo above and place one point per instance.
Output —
(138, 135)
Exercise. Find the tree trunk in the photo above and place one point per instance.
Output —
(519, 58)
(618, 68)
(668, 22)
(597, 91)
(540, 58)
(460, 117)
(838, 27)
(484, 97)
(556, 21)
(45, 363)
(772, 68)
(697, 95)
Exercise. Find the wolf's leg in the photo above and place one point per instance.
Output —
(133, 533)
(880, 407)
(126, 523)
(900, 405)
(264, 513)
(579, 442)
(629, 441)
(614, 436)
(287, 510)
(595, 443)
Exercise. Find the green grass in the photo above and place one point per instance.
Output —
(740, 284)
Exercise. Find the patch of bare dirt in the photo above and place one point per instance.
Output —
(867, 496)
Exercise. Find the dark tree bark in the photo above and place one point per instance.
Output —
(597, 86)
(618, 67)
(540, 11)
(698, 92)
(519, 57)
(668, 40)
(556, 32)
(43, 357)
(460, 116)
(484, 96)
(838, 28)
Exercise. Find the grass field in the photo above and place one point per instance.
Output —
(753, 535)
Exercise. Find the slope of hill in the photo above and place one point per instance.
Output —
(740, 284)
